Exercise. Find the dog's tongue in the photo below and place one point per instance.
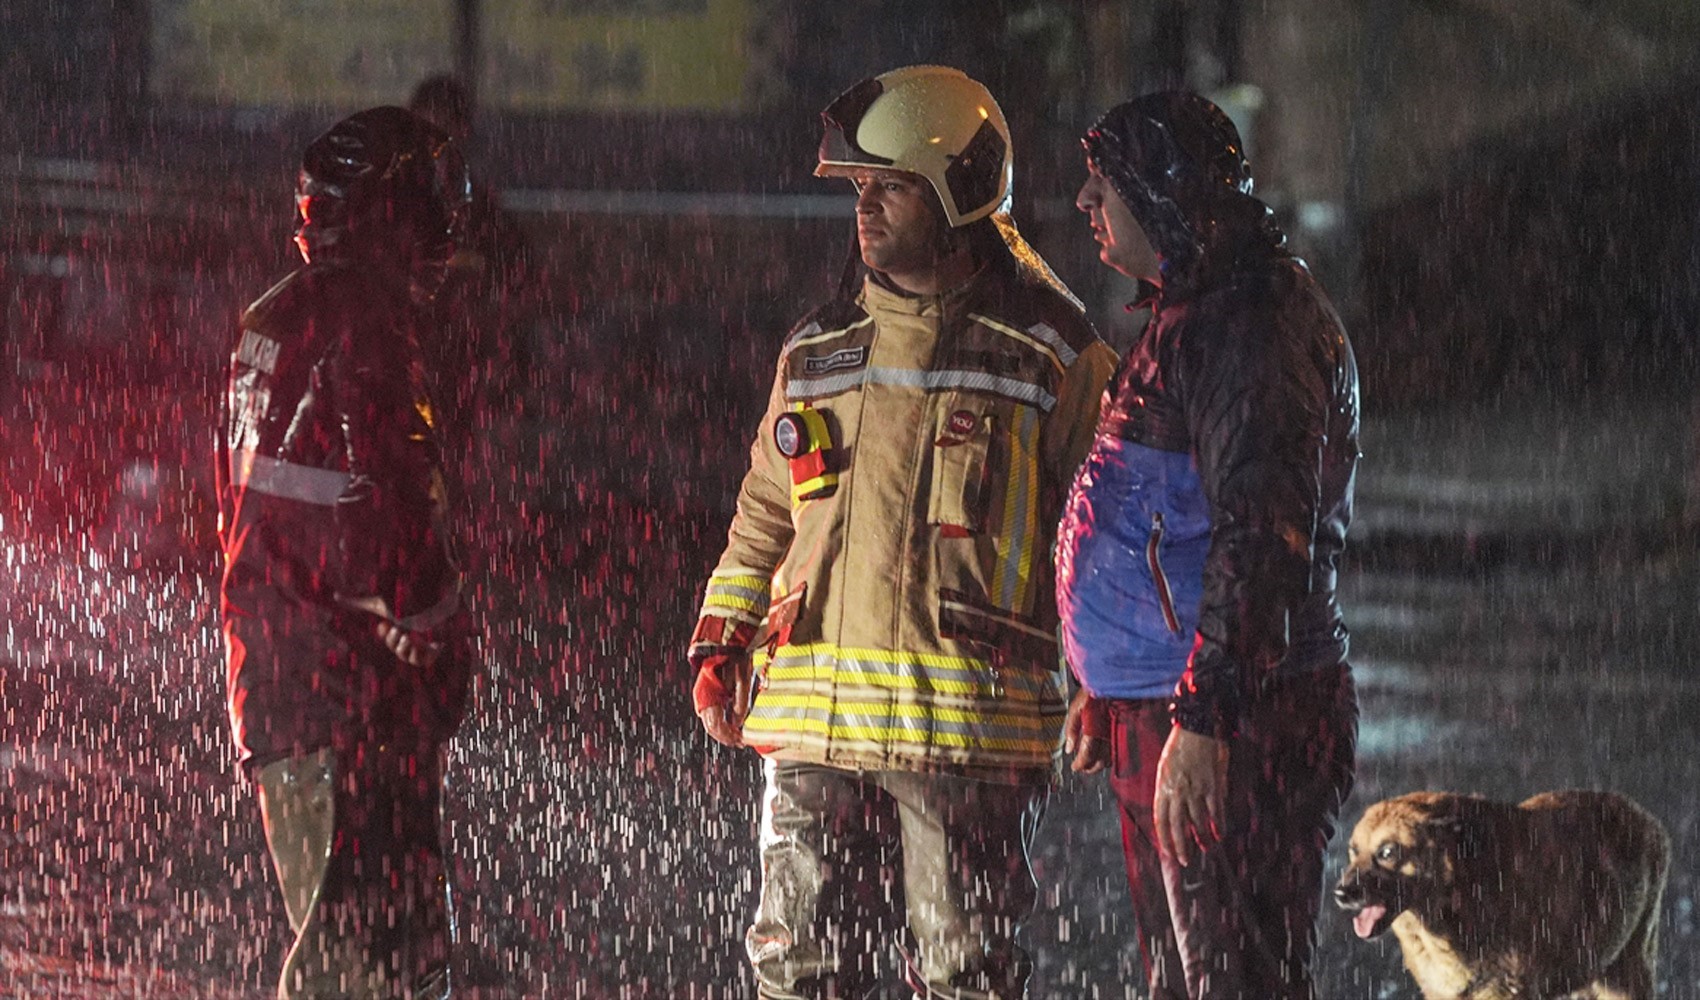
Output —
(1364, 923)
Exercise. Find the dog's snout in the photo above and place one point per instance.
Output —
(1349, 895)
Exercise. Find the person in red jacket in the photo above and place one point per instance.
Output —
(1198, 556)
(348, 643)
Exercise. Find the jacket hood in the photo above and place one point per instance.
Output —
(1177, 162)
(383, 186)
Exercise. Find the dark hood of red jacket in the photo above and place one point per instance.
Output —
(1177, 162)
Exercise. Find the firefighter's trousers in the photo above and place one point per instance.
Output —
(831, 904)
(354, 837)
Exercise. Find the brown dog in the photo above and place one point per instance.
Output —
(1557, 896)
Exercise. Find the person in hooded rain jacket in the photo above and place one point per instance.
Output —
(1197, 562)
(348, 643)
(886, 585)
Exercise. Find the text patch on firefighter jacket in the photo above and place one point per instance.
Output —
(919, 619)
(331, 493)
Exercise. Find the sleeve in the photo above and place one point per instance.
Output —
(389, 517)
(1256, 409)
(736, 598)
(1074, 420)
(221, 468)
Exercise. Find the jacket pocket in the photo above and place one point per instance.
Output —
(1160, 579)
(973, 620)
(960, 495)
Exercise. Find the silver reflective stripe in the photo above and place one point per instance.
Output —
(1026, 392)
(807, 331)
(1046, 348)
(755, 596)
(287, 479)
(812, 334)
(1046, 333)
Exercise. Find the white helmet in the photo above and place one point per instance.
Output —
(929, 120)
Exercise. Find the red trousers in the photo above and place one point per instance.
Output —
(1239, 923)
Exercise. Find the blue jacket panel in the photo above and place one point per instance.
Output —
(1130, 568)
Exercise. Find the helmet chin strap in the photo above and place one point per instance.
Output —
(852, 270)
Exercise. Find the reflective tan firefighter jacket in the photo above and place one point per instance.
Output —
(907, 616)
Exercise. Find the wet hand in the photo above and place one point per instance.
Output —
(407, 647)
(1192, 777)
(1084, 735)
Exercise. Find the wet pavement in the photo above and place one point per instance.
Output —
(1523, 601)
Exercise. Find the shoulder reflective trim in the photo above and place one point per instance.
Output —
(434, 615)
(812, 334)
(1048, 333)
(1025, 392)
(807, 331)
(305, 483)
(1046, 348)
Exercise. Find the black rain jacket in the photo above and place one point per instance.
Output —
(1246, 365)
(331, 492)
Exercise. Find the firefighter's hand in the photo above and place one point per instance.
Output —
(722, 696)
(409, 648)
(1192, 778)
(1086, 733)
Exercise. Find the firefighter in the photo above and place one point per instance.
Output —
(881, 625)
(347, 639)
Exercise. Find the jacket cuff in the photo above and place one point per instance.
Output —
(1205, 706)
(738, 594)
(717, 636)
(1095, 718)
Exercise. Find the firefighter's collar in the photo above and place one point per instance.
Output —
(878, 293)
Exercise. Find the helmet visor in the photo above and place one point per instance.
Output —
(840, 122)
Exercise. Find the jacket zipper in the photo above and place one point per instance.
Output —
(1165, 598)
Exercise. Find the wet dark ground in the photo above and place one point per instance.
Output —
(1525, 617)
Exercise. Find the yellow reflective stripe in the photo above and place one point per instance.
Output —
(829, 672)
(1009, 331)
(877, 736)
(815, 651)
(939, 713)
(974, 683)
(1012, 574)
(738, 578)
(843, 748)
(733, 614)
(1016, 686)
(801, 491)
(738, 592)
